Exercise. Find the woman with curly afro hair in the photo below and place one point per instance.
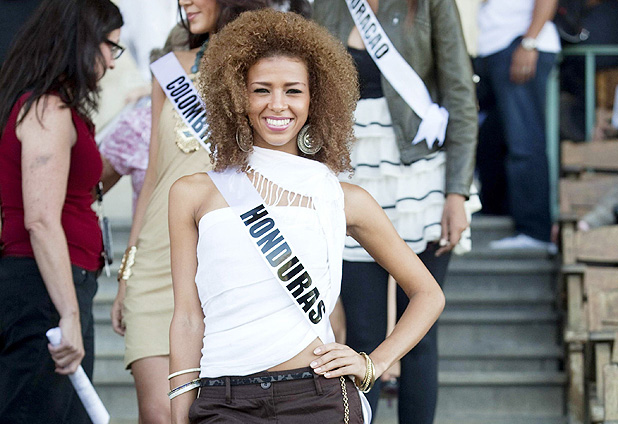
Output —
(256, 244)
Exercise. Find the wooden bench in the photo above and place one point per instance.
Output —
(578, 196)
(598, 156)
(592, 326)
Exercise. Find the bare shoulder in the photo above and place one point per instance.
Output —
(48, 107)
(49, 117)
(359, 204)
(198, 193)
(354, 195)
(186, 58)
(192, 186)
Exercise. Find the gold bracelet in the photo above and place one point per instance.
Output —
(127, 262)
(370, 375)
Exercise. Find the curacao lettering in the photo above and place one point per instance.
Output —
(279, 256)
(366, 22)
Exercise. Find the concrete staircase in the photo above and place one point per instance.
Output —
(113, 383)
(500, 344)
(499, 337)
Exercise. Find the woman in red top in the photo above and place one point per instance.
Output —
(50, 242)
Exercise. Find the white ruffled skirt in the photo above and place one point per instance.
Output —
(412, 196)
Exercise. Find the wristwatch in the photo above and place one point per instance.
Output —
(529, 43)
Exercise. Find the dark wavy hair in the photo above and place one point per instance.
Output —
(333, 85)
(57, 51)
(229, 10)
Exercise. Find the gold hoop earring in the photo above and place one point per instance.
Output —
(305, 142)
(243, 144)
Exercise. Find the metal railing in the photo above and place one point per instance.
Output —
(552, 118)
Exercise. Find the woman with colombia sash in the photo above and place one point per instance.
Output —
(415, 157)
(250, 326)
(143, 307)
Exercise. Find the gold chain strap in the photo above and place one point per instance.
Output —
(346, 406)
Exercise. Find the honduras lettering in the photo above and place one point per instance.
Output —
(283, 263)
(181, 92)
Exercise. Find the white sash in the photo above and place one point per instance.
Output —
(181, 92)
(275, 250)
(399, 74)
(273, 247)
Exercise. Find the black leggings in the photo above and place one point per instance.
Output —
(363, 293)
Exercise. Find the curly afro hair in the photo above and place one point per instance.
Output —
(333, 83)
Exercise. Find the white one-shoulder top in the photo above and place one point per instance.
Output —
(251, 323)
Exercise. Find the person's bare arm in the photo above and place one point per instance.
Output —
(150, 179)
(45, 160)
(110, 176)
(368, 224)
(187, 327)
(523, 63)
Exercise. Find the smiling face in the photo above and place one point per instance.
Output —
(106, 50)
(278, 90)
(202, 15)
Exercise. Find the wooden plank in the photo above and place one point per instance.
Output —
(601, 358)
(580, 196)
(597, 245)
(601, 290)
(576, 395)
(575, 309)
(595, 155)
(611, 392)
(568, 243)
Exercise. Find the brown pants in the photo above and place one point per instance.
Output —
(317, 400)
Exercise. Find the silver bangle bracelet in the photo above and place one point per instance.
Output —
(184, 388)
(187, 371)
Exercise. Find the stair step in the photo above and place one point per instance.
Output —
(106, 342)
(120, 401)
(387, 414)
(110, 369)
(498, 379)
(503, 266)
(487, 228)
(484, 252)
(497, 338)
(458, 316)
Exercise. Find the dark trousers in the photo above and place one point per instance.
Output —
(511, 153)
(30, 390)
(316, 400)
(363, 293)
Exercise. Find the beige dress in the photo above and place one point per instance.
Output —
(149, 303)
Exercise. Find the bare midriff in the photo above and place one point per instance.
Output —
(303, 359)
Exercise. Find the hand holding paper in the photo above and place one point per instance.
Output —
(91, 401)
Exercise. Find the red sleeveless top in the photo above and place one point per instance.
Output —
(79, 221)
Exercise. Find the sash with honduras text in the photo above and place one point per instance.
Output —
(181, 92)
(399, 74)
(275, 249)
(272, 246)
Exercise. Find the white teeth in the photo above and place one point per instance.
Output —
(278, 122)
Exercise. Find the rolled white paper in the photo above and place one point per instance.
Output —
(89, 397)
